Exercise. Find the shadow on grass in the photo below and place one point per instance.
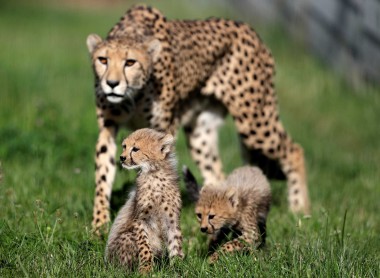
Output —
(120, 196)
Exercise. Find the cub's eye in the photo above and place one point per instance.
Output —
(130, 62)
(135, 149)
(103, 60)
(199, 215)
(211, 216)
(124, 146)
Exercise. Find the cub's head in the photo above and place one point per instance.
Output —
(121, 67)
(147, 149)
(216, 208)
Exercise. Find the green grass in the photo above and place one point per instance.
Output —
(48, 132)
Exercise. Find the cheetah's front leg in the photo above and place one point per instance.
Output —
(104, 176)
(163, 111)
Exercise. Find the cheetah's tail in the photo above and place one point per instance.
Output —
(191, 184)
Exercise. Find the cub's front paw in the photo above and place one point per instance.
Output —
(213, 258)
(145, 268)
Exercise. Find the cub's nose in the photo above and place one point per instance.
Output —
(203, 229)
(112, 83)
(122, 158)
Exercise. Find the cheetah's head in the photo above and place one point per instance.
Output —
(121, 67)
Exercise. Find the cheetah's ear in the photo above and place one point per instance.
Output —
(92, 41)
(166, 144)
(232, 196)
(154, 49)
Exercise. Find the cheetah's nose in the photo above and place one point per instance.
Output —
(112, 83)
(203, 229)
(122, 158)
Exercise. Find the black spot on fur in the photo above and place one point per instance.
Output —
(103, 149)
(208, 167)
(108, 123)
(116, 112)
(112, 161)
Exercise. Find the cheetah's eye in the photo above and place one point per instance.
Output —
(103, 60)
(211, 216)
(135, 149)
(130, 62)
(199, 215)
(124, 146)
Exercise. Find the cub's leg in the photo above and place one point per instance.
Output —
(175, 239)
(214, 240)
(171, 209)
(145, 253)
(123, 250)
(249, 236)
(202, 138)
(104, 176)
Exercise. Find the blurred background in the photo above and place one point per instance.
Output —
(344, 33)
(327, 79)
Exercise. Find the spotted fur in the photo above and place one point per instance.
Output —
(163, 74)
(149, 221)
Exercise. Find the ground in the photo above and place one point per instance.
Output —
(48, 133)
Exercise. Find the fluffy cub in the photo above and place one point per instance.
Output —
(239, 205)
(150, 219)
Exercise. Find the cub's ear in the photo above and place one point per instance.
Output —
(92, 41)
(154, 49)
(166, 144)
(232, 196)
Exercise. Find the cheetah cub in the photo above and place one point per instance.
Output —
(239, 205)
(150, 219)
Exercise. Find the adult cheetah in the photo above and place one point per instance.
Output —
(163, 74)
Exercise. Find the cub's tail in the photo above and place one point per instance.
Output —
(191, 184)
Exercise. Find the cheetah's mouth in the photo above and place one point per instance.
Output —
(114, 95)
(114, 98)
(132, 161)
(130, 166)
